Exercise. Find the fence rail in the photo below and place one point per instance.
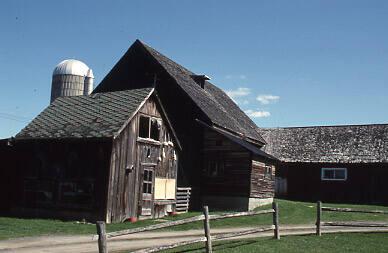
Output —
(320, 223)
(102, 236)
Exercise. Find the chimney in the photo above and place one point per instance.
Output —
(200, 79)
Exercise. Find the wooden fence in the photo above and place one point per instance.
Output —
(320, 223)
(102, 236)
(183, 199)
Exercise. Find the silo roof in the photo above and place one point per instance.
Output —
(73, 67)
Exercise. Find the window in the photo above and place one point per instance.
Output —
(268, 172)
(334, 174)
(144, 126)
(147, 181)
(149, 128)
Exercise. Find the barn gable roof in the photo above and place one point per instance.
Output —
(212, 101)
(329, 144)
(98, 115)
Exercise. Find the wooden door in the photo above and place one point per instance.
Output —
(147, 191)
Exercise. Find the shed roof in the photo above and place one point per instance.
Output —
(329, 144)
(97, 115)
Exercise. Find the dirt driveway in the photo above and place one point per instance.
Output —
(84, 243)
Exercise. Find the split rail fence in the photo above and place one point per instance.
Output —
(320, 223)
(102, 236)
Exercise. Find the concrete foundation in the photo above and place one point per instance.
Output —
(230, 203)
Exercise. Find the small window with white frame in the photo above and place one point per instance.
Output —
(334, 174)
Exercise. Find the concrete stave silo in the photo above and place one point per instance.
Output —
(71, 78)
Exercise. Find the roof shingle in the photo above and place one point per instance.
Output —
(97, 115)
(328, 144)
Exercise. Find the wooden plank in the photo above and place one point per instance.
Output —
(153, 227)
(354, 224)
(319, 218)
(276, 220)
(206, 225)
(240, 233)
(170, 246)
(102, 248)
(240, 214)
(351, 210)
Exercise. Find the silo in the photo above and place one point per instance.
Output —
(71, 78)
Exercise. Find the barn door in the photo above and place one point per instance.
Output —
(147, 190)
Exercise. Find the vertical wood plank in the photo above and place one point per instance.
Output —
(276, 220)
(102, 248)
(206, 225)
(319, 218)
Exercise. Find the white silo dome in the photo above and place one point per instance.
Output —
(71, 78)
(73, 67)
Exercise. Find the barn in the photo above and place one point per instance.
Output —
(109, 156)
(332, 163)
(221, 159)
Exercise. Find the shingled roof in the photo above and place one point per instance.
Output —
(329, 144)
(213, 101)
(97, 115)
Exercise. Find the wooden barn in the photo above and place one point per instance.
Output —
(332, 163)
(221, 158)
(108, 156)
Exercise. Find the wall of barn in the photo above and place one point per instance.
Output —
(226, 171)
(58, 179)
(129, 153)
(366, 183)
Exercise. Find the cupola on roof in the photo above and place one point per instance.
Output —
(73, 67)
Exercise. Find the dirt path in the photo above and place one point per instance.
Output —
(84, 243)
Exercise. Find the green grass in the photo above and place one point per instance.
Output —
(291, 212)
(350, 242)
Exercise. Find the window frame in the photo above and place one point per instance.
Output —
(323, 178)
(150, 119)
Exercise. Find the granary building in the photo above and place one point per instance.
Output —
(331, 163)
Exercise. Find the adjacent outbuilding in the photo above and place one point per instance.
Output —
(332, 163)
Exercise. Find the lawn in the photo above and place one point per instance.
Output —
(291, 212)
(350, 242)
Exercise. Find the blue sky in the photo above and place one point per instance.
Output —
(287, 63)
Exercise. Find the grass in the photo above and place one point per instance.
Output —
(291, 212)
(350, 242)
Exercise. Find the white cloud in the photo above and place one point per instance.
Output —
(267, 99)
(241, 77)
(257, 114)
(239, 92)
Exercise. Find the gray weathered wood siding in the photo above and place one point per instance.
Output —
(129, 153)
(262, 183)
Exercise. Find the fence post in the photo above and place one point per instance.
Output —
(101, 237)
(319, 218)
(206, 225)
(276, 220)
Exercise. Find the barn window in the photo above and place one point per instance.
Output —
(214, 167)
(147, 181)
(268, 172)
(144, 126)
(334, 174)
(149, 128)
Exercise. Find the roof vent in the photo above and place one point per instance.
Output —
(200, 79)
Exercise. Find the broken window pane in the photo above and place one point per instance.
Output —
(144, 126)
(155, 129)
